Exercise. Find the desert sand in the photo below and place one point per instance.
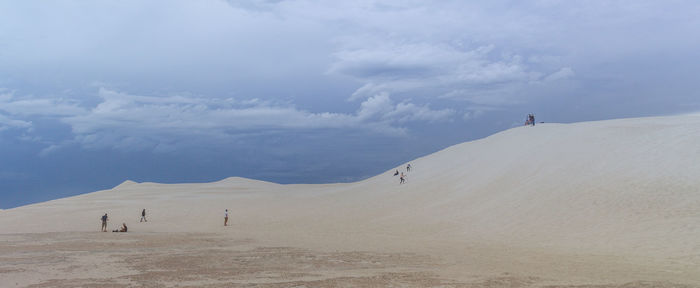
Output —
(595, 204)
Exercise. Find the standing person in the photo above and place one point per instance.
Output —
(408, 167)
(143, 215)
(402, 179)
(104, 222)
(532, 119)
(226, 217)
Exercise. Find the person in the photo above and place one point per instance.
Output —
(122, 229)
(402, 180)
(532, 119)
(226, 217)
(104, 222)
(397, 172)
(408, 167)
(143, 215)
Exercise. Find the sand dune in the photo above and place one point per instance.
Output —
(613, 201)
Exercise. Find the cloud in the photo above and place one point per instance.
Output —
(563, 73)
(8, 123)
(481, 52)
(381, 109)
(49, 150)
(396, 59)
(31, 106)
(472, 114)
(135, 122)
(447, 69)
(448, 50)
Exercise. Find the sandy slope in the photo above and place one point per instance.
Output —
(614, 201)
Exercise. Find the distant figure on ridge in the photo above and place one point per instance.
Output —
(531, 117)
(104, 222)
(397, 172)
(408, 167)
(143, 215)
(226, 217)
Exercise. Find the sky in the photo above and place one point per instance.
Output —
(93, 93)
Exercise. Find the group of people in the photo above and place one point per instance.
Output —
(105, 218)
(123, 228)
(402, 179)
(530, 120)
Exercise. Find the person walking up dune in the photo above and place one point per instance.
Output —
(408, 167)
(143, 215)
(226, 217)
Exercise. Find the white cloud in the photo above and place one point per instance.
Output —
(8, 123)
(472, 114)
(401, 67)
(406, 112)
(133, 122)
(482, 75)
(381, 108)
(563, 73)
(376, 106)
(31, 106)
(45, 107)
(48, 150)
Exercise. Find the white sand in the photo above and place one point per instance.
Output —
(614, 201)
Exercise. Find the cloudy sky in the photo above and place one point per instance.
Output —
(96, 92)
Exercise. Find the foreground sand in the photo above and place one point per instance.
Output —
(599, 204)
(93, 259)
